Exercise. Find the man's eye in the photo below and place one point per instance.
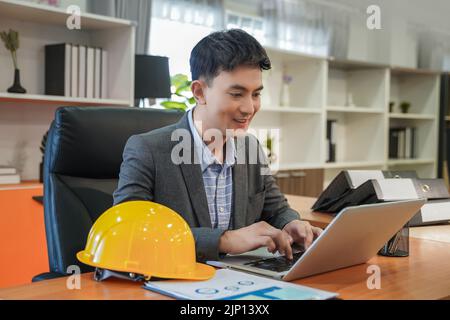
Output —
(257, 94)
(236, 95)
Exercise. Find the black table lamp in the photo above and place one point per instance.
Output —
(151, 77)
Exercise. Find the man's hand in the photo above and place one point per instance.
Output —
(302, 232)
(260, 234)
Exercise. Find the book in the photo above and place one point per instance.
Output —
(82, 71)
(393, 143)
(104, 75)
(402, 143)
(9, 179)
(74, 72)
(7, 170)
(58, 68)
(235, 285)
(331, 140)
(90, 61)
(97, 72)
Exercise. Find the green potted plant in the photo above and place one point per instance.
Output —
(11, 41)
(269, 148)
(405, 106)
(181, 93)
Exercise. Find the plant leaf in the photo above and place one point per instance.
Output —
(179, 80)
(174, 105)
(184, 88)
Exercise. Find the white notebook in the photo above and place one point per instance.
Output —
(74, 72)
(90, 61)
(82, 72)
(235, 285)
(97, 73)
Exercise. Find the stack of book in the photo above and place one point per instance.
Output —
(402, 143)
(76, 71)
(9, 175)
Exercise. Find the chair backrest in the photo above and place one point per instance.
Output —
(83, 155)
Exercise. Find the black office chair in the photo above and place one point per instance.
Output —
(81, 169)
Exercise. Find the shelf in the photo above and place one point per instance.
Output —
(411, 71)
(355, 164)
(290, 109)
(300, 166)
(38, 13)
(291, 55)
(413, 116)
(354, 65)
(68, 101)
(395, 162)
(354, 109)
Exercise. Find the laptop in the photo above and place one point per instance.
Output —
(354, 236)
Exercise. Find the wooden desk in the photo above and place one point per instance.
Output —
(423, 275)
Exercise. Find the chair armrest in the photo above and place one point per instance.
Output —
(47, 276)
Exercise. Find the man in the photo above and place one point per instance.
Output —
(230, 205)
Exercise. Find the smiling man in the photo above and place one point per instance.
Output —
(231, 205)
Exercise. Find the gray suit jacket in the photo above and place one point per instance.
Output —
(148, 173)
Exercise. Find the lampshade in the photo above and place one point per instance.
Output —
(151, 77)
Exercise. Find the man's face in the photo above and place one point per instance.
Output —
(233, 98)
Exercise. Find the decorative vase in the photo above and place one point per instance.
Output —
(17, 87)
(285, 98)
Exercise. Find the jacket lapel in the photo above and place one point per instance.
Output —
(193, 180)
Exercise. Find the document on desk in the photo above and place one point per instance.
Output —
(235, 285)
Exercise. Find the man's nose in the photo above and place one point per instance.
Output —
(249, 107)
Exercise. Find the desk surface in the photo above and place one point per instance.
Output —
(423, 275)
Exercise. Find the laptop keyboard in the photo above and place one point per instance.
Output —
(278, 264)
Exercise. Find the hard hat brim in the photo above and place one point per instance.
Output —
(201, 272)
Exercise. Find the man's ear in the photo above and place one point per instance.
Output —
(198, 90)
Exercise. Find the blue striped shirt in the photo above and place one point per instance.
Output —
(217, 178)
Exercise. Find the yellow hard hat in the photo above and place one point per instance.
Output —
(145, 238)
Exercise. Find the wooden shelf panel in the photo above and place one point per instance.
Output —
(33, 12)
(67, 101)
(353, 164)
(394, 162)
(414, 116)
(354, 109)
(290, 109)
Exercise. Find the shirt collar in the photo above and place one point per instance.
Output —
(205, 155)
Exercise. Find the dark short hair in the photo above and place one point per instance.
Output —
(224, 51)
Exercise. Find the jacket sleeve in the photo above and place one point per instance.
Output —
(277, 211)
(136, 178)
(136, 182)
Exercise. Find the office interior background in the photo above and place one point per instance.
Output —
(351, 88)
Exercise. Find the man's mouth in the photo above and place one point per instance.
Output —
(242, 121)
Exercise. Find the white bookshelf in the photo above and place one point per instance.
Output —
(320, 91)
(421, 89)
(24, 119)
